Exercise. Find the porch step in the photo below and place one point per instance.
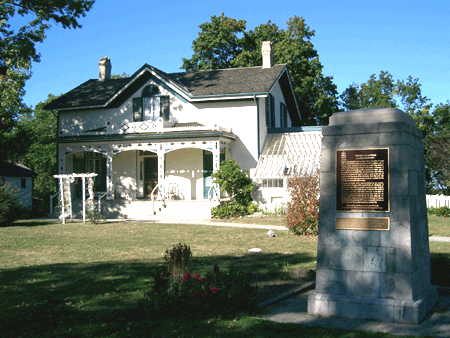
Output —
(142, 210)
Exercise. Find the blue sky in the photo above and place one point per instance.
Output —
(354, 39)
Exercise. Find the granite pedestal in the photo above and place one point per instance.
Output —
(381, 274)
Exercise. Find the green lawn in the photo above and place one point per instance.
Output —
(85, 280)
(438, 226)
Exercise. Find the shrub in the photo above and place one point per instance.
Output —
(219, 293)
(229, 209)
(9, 205)
(178, 259)
(239, 188)
(441, 211)
(302, 211)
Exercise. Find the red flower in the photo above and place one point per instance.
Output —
(196, 276)
(214, 290)
(195, 294)
(187, 276)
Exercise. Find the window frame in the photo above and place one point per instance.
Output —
(149, 92)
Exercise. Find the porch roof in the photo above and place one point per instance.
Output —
(288, 154)
(147, 137)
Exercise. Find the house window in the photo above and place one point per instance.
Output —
(270, 111)
(283, 116)
(270, 183)
(151, 105)
(23, 183)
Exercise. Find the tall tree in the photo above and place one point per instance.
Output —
(384, 91)
(226, 43)
(35, 134)
(18, 50)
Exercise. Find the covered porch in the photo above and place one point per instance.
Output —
(163, 169)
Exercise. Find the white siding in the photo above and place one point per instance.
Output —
(124, 172)
(24, 194)
(184, 168)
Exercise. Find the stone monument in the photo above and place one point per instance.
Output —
(373, 256)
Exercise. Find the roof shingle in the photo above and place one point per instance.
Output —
(234, 81)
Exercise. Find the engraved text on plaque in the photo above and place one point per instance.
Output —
(362, 180)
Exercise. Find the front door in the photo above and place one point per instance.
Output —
(150, 175)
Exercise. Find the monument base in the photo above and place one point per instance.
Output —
(386, 310)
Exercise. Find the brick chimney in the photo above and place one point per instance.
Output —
(104, 68)
(267, 54)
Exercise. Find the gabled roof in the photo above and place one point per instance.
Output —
(191, 85)
(15, 170)
(232, 81)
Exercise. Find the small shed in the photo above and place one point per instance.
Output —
(21, 179)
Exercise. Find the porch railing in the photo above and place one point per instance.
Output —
(146, 127)
(100, 197)
(160, 189)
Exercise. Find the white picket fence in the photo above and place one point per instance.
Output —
(438, 201)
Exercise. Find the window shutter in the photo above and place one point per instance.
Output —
(137, 109)
(272, 111)
(165, 108)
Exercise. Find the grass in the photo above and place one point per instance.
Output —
(438, 226)
(265, 220)
(85, 280)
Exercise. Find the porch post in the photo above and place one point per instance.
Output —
(109, 185)
(161, 154)
(216, 156)
(62, 160)
(216, 160)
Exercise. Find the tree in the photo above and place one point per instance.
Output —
(219, 45)
(436, 127)
(18, 50)
(35, 134)
(385, 92)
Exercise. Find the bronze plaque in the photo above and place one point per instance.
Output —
(363, 223)
(362, 180)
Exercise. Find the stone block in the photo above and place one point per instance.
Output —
(361, 116)
(398, 236)
(363, 238)
(393, 139)
(362, 284)
(346, 257)
(413, 183)
(323, 257)
(399, 158)
(327, 159)
(377, 309)
(399, 183)
(336, 237)
(331, 282)
(328, 182)
(396, 286)
(318, 305)
(345, 307)
(374, 259)
(391, 260)
(404, 260)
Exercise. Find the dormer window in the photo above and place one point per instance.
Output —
(151, 105)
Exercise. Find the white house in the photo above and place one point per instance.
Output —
(20, 178)
(162, 135)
